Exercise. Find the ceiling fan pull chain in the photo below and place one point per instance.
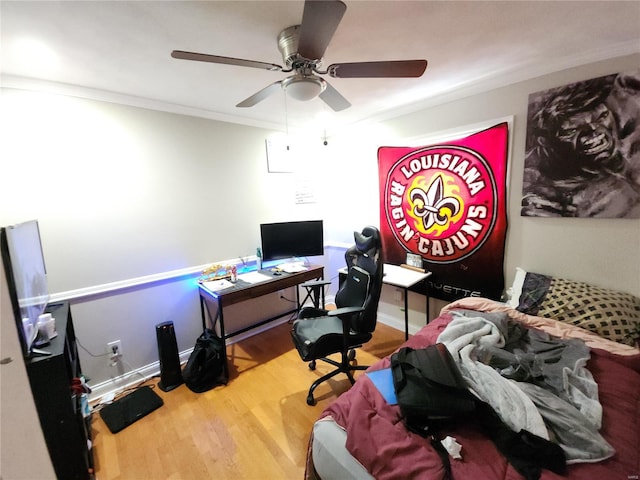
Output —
(286, 118)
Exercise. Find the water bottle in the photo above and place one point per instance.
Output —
(234, 274)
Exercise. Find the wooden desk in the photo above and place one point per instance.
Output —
(241, 291)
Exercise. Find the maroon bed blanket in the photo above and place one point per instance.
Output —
(378, 439)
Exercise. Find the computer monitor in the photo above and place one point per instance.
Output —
(292, 239)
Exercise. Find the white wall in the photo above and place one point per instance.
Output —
(123, 192)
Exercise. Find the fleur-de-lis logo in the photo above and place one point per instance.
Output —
(432, 206)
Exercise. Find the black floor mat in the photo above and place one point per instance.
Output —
(126, 410)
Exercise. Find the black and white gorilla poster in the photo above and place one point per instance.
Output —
(583, 150)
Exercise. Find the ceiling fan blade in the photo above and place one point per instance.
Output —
(394, 68)
(261, 95)
(203, 57)
(334, 99)
(320, 19)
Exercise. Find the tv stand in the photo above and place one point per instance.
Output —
(66, 431)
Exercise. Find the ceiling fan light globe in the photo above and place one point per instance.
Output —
(304, 88)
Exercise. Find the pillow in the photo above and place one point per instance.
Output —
(611, 314)
(515, 291)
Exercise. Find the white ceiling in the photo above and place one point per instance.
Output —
(120, 51)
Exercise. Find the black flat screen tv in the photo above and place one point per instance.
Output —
(292, 239)
(26, 278)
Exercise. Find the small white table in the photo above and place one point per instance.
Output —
(404, 278)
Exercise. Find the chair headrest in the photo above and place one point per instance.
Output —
(366, 240)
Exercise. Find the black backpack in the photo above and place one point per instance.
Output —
(431, 393)
(207, 364)
(429, 387)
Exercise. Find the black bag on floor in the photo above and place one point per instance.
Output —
(207, 364)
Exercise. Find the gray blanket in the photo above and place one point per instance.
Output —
(533, 381)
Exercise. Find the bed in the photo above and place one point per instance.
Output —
(362, 436)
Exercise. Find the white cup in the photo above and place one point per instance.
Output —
(47, 326)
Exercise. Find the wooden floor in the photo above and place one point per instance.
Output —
(256, 427)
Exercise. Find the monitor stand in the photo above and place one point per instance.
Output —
(293, 264)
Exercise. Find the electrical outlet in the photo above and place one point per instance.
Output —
(114, 349)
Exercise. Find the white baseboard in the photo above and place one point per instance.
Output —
(120, 383)
(397, 323)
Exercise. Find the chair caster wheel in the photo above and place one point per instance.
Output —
(352, 355)
(310, 400)
(312, 366)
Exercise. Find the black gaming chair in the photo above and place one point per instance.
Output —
(318, 333)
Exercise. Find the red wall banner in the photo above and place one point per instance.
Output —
(447, 203)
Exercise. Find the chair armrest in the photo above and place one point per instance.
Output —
(344, 311)
(315, 283)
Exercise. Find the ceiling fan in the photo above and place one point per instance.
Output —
(302, 48)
